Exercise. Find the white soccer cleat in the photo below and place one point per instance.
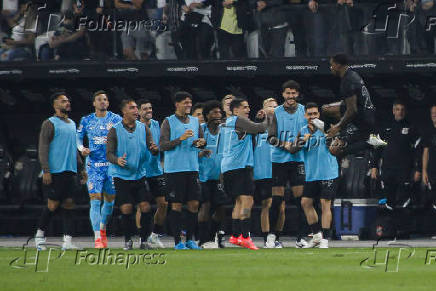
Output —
(315, 241)
(324, 244)
(318, 124)
(154, 240)
(278, 245)
(376, 141)
(301, 244)
(68, 244)
(210, 245)
(40, 243)
(270, 241)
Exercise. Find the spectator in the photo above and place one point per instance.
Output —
(67, 42)
(19, 45)
(231, 18)
(421, 34)
(315, 28)
(137, 43)
(274, 26)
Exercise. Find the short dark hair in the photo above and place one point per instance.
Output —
(124, 102)
(311, 105)
(99, 92)
(181, 95)
(236, 102)
(341, 59)
(291, 84)
(56, 95)
(196, 106)
(142, 101)
(399, 102)
(209, 106)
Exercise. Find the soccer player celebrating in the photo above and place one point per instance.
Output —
(127, 144)
(96, 127)
(288, 120)
(59, 162)
(263, 174)
(321, 176)
(237, 168)
(213, 197)
(181, 138)
(356, 112)
(155, 178)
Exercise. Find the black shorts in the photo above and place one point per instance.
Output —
(325, 189)
(292, 171)
(239, 182)
(131, 191)
(183, 187)
(213, 191)
(263, 189)
(157, 186)
(62, 186)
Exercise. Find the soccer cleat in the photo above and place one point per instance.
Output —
(190, 244)
(153, 240)
(40, 243)
(301, 244)
(180, 246)
(103, 237)
(145, 246)
(324, 244)
(315, 241)
(376, 141)
(270, 241)
(99, 243)
(210, 245)
(128, 245)
(278, 245)
(235, 240)
(248, 243)
(68, 244)
(219, 239)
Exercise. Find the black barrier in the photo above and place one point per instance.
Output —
(247, 68)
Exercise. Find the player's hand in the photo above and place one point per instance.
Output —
(333, 131)
(261, 114)
(154, 149)
(425, 178)
(46, 178)
(122, 161)
(188, 133)
(83, 177)
(374, 173)
(85, 152)
(205, 153)
(417, 176)
(198, 143)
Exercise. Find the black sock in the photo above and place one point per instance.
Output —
(67, 217)
(315, 227)
(176, 217)
(215, 226)
(236, 227)
(274, 211)
(326, 233)
(126, 224)
(145, 225)
(192, 220)
(265, 235)
(203, 229)
(277, 234)
(44, 219)
(245, 227)
(301, 220)
(158, 228)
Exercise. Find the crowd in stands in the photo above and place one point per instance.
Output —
(44, 30)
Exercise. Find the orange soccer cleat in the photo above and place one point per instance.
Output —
(103, 238)
(248, 243)
(235, 240)
(99, 244)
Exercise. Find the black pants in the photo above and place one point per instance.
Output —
(396, 185)
(231, 45)
(196, 42)
(273, 41)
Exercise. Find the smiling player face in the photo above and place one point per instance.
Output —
(146, 111)
(290, 96)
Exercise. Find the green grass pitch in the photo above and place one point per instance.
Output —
(228, 269)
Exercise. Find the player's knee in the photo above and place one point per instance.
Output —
(109, 198)
(176, 207)
(266, 204)
(162, 204)
(52, 205)
(126, 208)
(306, 203)
(325, 206)
(145, 207)
(193, 205)
(68, 203)
(95, 196)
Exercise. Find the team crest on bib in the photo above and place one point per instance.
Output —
(405, 130)
(109, 125)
